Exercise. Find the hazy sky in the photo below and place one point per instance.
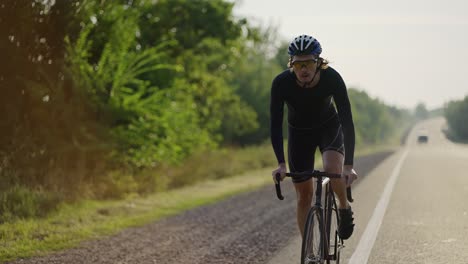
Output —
(401, 51)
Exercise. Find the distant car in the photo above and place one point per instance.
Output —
(423, 138)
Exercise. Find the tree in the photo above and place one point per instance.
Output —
(457, 119)
(39, 100)
(420, 112)
(210, 44)
(375, 122)
(255, 72)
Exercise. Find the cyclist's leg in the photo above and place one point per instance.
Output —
(333, 160)
(301, 152)
(333, 163)
(332, 149)
(304, 191)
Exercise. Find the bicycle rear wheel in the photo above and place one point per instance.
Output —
(313, 241)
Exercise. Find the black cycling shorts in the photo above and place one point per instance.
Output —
(302, 144)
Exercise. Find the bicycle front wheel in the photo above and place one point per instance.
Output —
(313, 241)
(333, 241)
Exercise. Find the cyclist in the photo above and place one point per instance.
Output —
(310, 89)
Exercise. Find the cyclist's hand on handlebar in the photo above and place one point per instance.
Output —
(349, 175)
(281, 170)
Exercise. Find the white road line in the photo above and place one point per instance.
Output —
(362, 252)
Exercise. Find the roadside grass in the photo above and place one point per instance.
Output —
(71, 224)
(89, 220)
(29, 199)
(368, 150)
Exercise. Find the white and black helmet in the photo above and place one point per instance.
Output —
(304, 45)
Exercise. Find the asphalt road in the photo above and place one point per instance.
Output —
(411, 208)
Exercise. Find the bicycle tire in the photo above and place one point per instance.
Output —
(312, 251)
(333, 242)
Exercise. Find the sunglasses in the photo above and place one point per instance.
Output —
(309, 64)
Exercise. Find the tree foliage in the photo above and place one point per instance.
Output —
(456, 114)
(141, 116)
(91, 87)
(420, 112)
(255, 73)
(93, 84)
(45, 125)
(375, 122)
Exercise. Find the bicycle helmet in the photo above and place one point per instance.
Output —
(304, 45)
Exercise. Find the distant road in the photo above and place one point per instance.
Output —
(412, 208)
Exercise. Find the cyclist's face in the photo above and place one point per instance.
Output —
(304, 67)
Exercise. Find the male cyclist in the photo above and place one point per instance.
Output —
(311, 89)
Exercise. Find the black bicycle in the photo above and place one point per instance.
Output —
(321, 241)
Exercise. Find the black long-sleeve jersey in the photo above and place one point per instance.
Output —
(309, 108)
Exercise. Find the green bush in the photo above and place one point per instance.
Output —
(20, 202)
(455, 113)
(221, 163)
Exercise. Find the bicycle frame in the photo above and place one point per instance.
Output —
(323, 179)
(326, 211)
(332, 239)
